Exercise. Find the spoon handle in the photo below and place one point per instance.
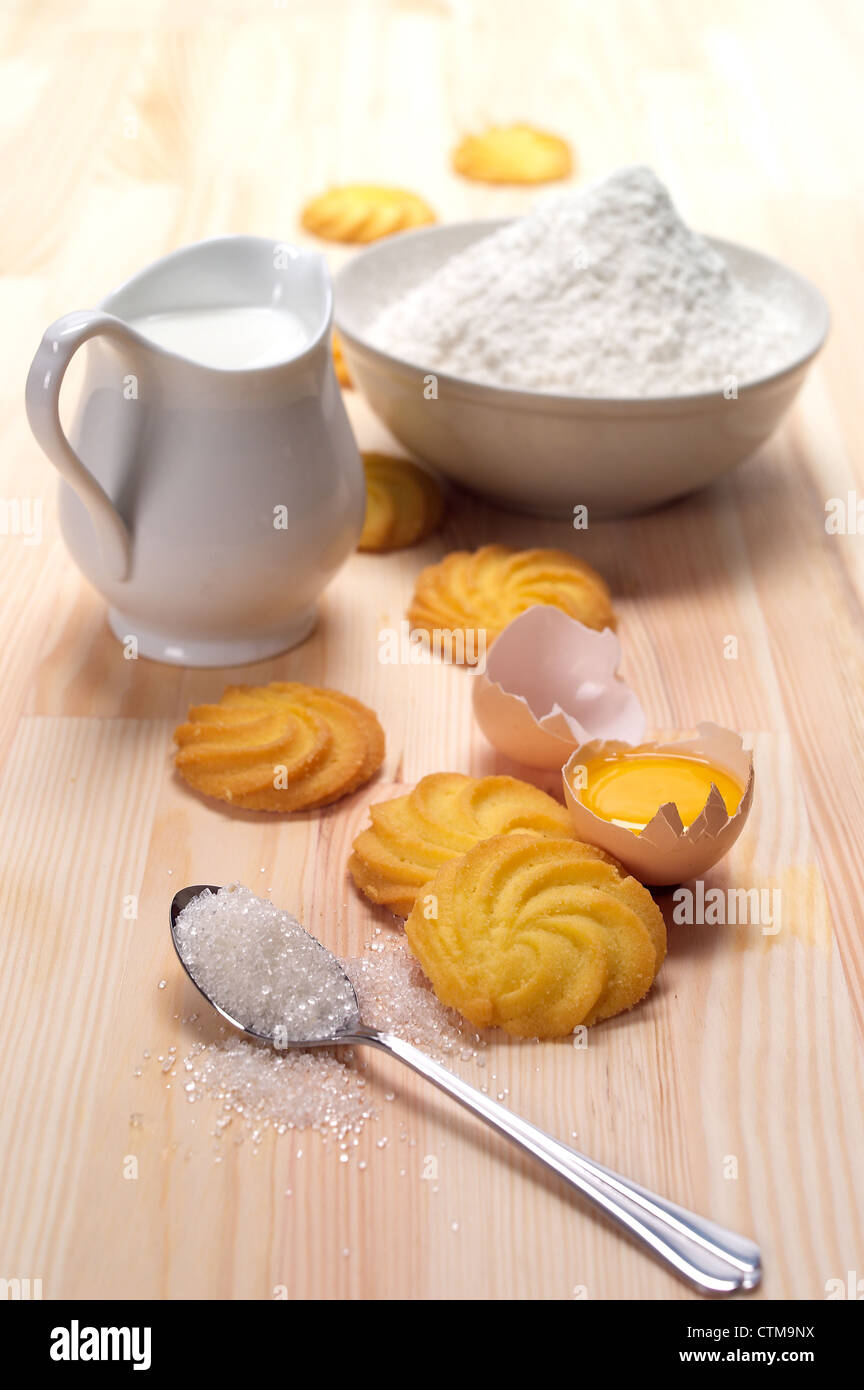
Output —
(711, 1258)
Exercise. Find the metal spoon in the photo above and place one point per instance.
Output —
(711, 1258)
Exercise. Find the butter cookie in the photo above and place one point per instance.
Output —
(279, 747)
(536, 936)
(411, 836)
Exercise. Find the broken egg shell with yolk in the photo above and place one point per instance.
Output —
(550, 684)
(666, 851)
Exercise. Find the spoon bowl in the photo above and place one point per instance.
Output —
(341, 1037)
(711, 1258)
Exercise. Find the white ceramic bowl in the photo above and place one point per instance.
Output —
(546, 454)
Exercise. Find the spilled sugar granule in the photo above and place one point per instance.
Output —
(266, 1089)
(395, 997)
(259, 965)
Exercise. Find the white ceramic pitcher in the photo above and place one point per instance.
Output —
(209, 505)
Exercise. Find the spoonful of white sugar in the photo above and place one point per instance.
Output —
(269, 977)
(268, 974)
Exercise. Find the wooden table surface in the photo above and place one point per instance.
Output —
(737, 1087)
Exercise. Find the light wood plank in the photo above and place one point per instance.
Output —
(751, 1045)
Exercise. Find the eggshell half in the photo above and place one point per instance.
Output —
(550, 685)
(665, 853)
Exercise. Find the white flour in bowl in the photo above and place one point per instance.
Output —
(599, 292)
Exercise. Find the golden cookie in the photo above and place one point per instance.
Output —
(279, 747)
(364, 212)
(404, 504)
(513, 154)
(343, 376)
(483, 590)
(536, 936)
(446, 813)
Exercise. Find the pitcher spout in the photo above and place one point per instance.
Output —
(230, 303)
(306, 288)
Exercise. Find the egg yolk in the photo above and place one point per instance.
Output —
(629, 788)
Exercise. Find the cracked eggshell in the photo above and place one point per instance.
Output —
(550, 685)
(665, 853)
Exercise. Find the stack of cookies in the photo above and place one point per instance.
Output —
(516, 923)
(447, 813)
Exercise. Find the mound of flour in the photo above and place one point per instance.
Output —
(600, 292)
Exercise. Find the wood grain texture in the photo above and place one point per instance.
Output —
(128, 130)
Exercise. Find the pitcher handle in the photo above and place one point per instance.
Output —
(56, 350)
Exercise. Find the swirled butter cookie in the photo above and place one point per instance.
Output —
(446, 814)
(536, 937)
(404, 504)
(513, 154)
(483, 590)
(364, 212)
(279, 747)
